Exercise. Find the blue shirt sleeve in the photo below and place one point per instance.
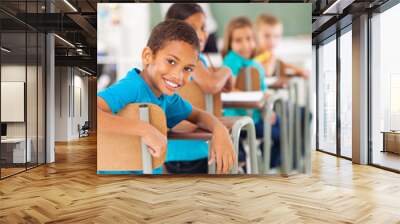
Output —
(121, 93)
(234, 62)
(177, 110)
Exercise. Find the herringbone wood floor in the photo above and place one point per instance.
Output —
(69, 191)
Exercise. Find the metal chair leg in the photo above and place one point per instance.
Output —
(286, 156)
(245, 123)
(251, 139)
(303, 159)
(291, 122)
(295, 140)
(211, 167)
(236, 141)
(268, 111)
(298, 140)
(266, 167)
(307, 131)
(146, 157)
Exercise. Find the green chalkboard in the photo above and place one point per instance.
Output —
(296, 17)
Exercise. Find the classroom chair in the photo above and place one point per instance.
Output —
(298, 142)
(277, 101)
(83, 131)
(281, 74)
(249, 80)
(122, 153)
(213, 104)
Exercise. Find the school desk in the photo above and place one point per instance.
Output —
(266, 105)
(213, 105)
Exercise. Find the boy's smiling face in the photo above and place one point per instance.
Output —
(170, 67)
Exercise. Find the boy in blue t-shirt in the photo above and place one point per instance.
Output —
(169, 60)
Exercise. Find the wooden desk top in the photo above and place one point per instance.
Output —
(187, 130)
(244, 104)
(244, 101)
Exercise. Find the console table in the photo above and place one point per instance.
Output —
(13, 150)
(391, 141)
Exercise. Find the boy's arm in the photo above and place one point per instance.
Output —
(210, 80)
(221, 145)
(133, 127)
(297, 70)
(269, 65)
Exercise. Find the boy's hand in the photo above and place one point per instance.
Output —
(154, 140)
(303, 73)
(222, 151)
(221, 144)
(228, 85)
(229, 82)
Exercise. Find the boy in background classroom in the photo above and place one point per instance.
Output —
(269, 30)
(169, 59)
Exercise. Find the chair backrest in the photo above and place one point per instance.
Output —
(282, 71)
(116, 152)
(192, 93)
(86, 125)
(244, 83)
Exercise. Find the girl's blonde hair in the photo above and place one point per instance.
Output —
(236, 23)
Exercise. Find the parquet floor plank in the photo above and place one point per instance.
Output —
(70, 191)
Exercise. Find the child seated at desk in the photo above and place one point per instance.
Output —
(269, 34)
(238, 52)
(169, 59)
(269, 31)
(190, 156)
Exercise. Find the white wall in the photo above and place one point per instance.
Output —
(33, 127)
(71, 93)
(80, 100)
(15, 73)
(61, 103)
(122, 30)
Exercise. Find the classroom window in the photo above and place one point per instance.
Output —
(385, 89)
(327, 96)
(346, 94)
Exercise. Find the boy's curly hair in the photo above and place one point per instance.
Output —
(172, 30)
